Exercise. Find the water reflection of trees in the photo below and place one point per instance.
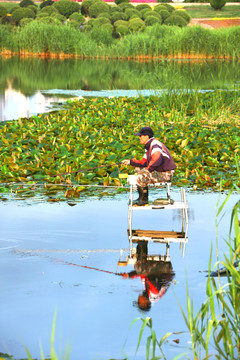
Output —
(28, 75)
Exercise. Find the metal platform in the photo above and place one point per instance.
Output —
(165, 237)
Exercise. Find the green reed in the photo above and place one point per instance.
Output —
(154, 41)
(53, 354)
(152, 344)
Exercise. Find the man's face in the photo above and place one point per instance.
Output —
(143, 139)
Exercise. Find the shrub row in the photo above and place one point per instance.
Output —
(102, 15)
(125, 18)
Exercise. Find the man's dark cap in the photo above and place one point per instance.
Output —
(145, 131)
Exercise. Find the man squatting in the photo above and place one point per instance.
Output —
(157, 164)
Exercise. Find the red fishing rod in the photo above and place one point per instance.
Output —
(88, 267)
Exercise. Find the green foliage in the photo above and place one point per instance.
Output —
(143, 11)
(140, 7)
(50, 20)
(102, 35)
(118, 16)
(152, 343)
(183, 14)
(59, 17)
(175, 20)
(77, 17)
(108, 28)
(169, 7)
(151, 20)
(26, 3)
(18, 14)
(85, 6)
(121, 30)
(159, 8)
(67, 7)
(3, 11)
(4, 37)
(98, 8)
(130, 12)
(156, 41)
(104, 15)
(135, 16)
(14, 8)
(125, 5)
(117, 2)
(28, 13)
(33, 8)
(199, 152)
(136, 25)
(25, 21)
(48, 10)
(217, 4)
(101, 20)
(114, 9)
(121, 23)
(46, 3)
(146, 14)
(164, 14)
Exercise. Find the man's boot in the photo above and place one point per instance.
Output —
(143, 196)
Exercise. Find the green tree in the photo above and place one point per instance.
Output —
(217, 4)
(67, 7)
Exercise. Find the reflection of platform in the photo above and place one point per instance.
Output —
(165, 237)
(157, 236)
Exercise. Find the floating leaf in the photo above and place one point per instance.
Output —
(4, 190)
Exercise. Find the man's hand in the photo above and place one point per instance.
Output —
(125, 162)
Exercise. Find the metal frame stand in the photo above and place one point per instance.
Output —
(165, 237)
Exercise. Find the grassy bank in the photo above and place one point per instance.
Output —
(95, 133)
(155, 42)
(206, 11)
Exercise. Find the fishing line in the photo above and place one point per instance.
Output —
(37, 251)
(66, 251)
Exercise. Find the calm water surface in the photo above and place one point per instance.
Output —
(52, 257)
(32, 86)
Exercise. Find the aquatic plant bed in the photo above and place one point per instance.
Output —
(81, 144)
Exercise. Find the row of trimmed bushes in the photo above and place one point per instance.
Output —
(155, 41)
(118, 20)
(124, 18)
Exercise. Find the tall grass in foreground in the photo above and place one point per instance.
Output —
(217, 322)
(53, 354)
(155, 41)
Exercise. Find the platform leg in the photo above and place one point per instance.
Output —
(168, 192)
(167, 251)
(130, 219)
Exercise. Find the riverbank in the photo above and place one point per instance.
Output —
(156, 42)
(140, 58)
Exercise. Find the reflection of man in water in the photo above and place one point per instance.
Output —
(156, 277)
